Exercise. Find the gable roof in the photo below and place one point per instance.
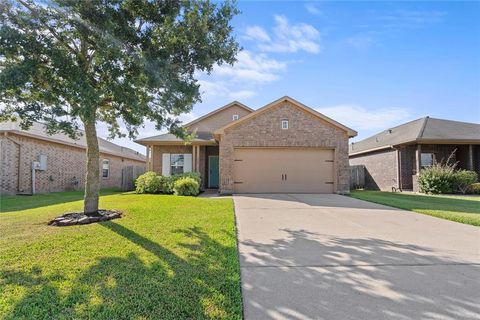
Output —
(423, 130)
(231, 104)
(351, 132)
(170, 138)
(37, 131)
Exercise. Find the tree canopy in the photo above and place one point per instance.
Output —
(68, 62)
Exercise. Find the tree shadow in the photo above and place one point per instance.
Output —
(307, 275)
(202, 283)
(19, 203)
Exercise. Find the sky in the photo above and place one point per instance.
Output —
(368, 65)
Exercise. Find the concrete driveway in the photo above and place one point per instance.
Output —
(334, 257)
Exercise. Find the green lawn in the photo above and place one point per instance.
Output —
(168, 258)
(460, 209)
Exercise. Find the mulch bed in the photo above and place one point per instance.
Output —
(75, 218)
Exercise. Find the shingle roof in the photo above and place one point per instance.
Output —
(38, 131)
(169, 137)
(421, 130)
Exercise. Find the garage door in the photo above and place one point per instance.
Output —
(265, 170)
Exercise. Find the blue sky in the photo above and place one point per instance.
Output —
(369, 65)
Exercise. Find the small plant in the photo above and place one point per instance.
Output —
(149, 182)
(438, 178)
(474, 188)
(463, 179)
(186, 187)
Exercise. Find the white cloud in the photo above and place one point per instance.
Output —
(286, 37)
(410, 18)
(312, 8)
(251, 67)
(256, 33)
(360, 118)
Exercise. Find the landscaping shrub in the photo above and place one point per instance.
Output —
(186, 186)
(149, 182)
(474, 188)
(169, 182)
(462, 179)
(436, 179)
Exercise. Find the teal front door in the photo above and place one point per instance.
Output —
(213, 173)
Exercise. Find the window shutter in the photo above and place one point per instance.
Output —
(187, 162)
(166, 164)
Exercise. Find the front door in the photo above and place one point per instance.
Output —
(213, 172)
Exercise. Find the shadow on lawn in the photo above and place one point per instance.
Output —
(18, 203)
(206, 284)
(355, 278)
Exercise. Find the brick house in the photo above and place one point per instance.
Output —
(394, 157)
(60, 161)
(284, 146)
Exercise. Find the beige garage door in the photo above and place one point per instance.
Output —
(265, 170)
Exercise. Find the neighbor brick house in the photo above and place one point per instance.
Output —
(394, 157)
(60, 161)
(284, 146)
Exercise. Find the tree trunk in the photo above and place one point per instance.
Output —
(92, 177)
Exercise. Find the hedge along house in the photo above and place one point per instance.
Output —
(394, 157)
(284, 146)
(35, 162)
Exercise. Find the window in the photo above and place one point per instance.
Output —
(426, 160)
(235, 117)
(284, 124)
(105, 168)
(176, 163)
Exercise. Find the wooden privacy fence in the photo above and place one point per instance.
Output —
(357, 177)
(129, 174)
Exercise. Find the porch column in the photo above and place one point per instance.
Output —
(197, 162)
(194, 158)
(148, 158)
(418, 159)
(470, 157)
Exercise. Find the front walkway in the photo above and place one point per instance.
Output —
(334, 257)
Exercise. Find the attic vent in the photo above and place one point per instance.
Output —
(376, 139)
(389, 131)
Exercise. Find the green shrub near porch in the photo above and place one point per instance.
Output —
(152, 182)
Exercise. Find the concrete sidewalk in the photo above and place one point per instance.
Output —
(335, 257)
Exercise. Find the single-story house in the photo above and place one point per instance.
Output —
(284, 146)
(35, 162)
(394, 157)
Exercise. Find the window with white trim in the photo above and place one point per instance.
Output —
(426, 160)
(105, 168)
(284, 124)
(235, 117)
(177, 162)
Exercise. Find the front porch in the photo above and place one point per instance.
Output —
(167, 159)
(412, 158)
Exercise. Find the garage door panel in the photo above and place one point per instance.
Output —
(259, 170)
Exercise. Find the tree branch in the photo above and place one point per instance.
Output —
(52, 31)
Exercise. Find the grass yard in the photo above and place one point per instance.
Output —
(168, 258)
(456, 208)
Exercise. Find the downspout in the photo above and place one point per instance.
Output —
(33, 177)
(399, 167)
(19, 169)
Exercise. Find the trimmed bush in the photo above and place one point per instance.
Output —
(462, 179)
(474, 188)
(149, 182)
(169, 182)
(186, 187)
(436, 179)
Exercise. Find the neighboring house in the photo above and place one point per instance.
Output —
(60, 161)
(394, 157)
(283, 147)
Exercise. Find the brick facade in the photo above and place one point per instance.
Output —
(264, 130)
(65, 164)
(380, 169)
(381, 166)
